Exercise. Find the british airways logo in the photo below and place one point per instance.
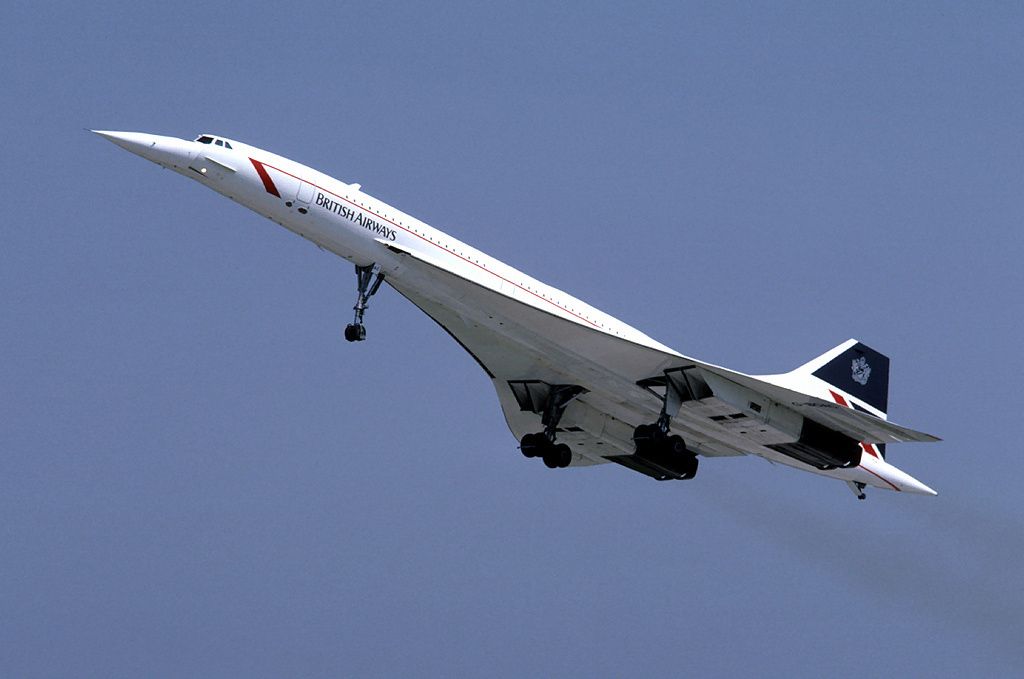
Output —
(860, 371)
(355, 216)
(326, 203)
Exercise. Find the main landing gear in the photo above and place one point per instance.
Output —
(368, 279)
(655, 446)
(555, 455)
(550, 401)
(660, 454)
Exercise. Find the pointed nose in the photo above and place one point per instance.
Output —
(170, 152)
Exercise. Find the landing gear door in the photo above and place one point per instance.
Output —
(304, 195)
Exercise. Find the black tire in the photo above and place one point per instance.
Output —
(644, 432)
(551, 459)
(532, 445)
(563, 455)
(355, 333)
(691, 467)
(675, 445)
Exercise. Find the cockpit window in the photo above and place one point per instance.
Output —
(207, 139)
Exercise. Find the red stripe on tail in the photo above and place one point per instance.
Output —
(868, 448)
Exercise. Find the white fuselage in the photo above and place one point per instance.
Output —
(339, 217)
(353, 225)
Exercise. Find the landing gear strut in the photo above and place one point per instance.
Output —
(368, 279)
(655, 446)
(551, 401)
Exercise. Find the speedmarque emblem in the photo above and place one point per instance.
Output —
(861, 371)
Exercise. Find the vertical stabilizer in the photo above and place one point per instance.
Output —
(855, 369)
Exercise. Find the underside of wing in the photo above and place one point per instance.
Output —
(613, 385)
(517, 344)
(592, 433)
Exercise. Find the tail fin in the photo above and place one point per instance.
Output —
(856, 369)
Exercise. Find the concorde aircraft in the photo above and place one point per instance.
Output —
(577, 386)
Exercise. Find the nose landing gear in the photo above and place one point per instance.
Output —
(368, 279)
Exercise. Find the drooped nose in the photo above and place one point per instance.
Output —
(170, 152)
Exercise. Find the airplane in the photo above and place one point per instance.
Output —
(577, 386)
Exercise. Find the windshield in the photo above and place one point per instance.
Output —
(207, 139)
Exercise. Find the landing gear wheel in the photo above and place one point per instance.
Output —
(558, 456)
(369, 279)
(691, 468)
(645, 432)
(675, 445)
(532, 445)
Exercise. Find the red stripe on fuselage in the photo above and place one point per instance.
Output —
(894, 486)
(268, 183)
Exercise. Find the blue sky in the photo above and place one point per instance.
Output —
(201, 478)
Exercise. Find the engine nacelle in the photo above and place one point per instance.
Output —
(660, 464)
(782, 429)
(822, 447)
